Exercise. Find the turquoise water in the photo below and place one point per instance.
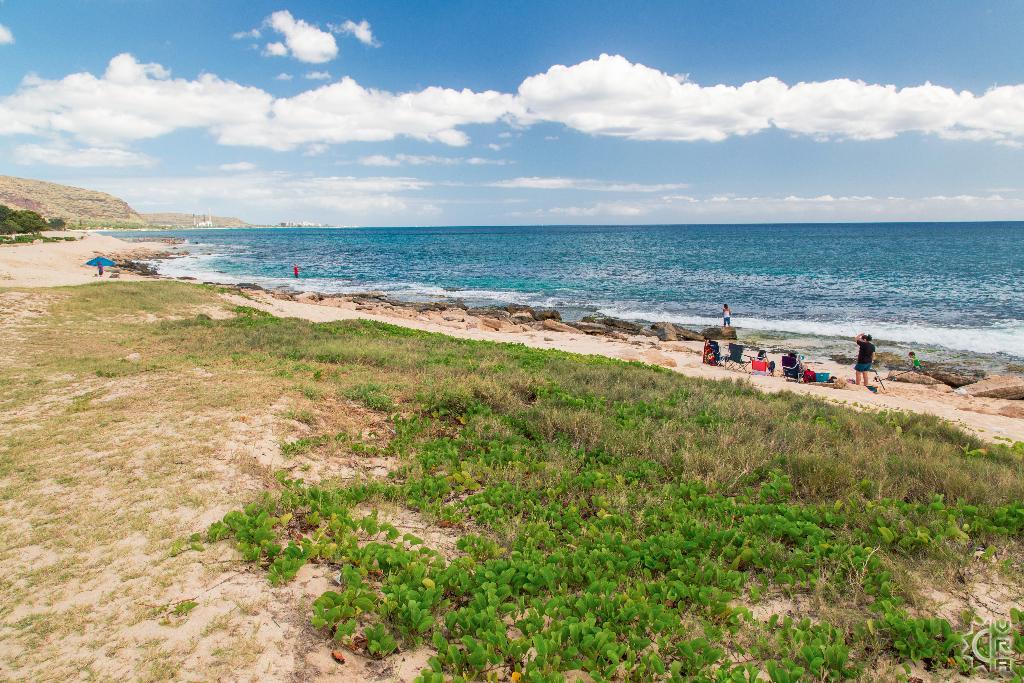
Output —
(941, 286)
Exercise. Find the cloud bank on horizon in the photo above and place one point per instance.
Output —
(607, 96)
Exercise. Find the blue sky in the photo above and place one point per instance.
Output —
(498, 113)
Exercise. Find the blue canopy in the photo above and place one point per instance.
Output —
(100, 261)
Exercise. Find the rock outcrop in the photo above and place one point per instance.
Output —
(718, 333)
(613, 323)
(998, 386)
(667, 332)
(556, 326)
(912, 378)
(950, 377)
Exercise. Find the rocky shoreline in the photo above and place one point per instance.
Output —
(518, 318)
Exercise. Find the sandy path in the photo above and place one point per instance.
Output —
(53, 264)
(978, 415)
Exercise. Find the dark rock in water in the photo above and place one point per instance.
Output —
(191, 279)
(141, 268)
(998, 386)
(547, 314)
(614, 323)
(669, 332)
(718, 333)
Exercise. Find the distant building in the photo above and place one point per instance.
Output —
(202, 221)
(300, 224)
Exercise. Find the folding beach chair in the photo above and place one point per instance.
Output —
(736, 357)
(759, 366)
(712, 353)
(792, 367)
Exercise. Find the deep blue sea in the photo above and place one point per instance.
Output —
(934, 286)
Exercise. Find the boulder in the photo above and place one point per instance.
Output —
(556, 326)
(309, 297)
(490, 323)
(614, 323)
(667, 332)
(514, 309)
(488, 312)
(547, 314)
(718, 333)
(284, 296)
(912, 378)
(591, 328)
(998, 386)
(522, 317)
(245, 285)
(950, 377)
(453, 314)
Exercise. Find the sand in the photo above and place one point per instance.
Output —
(53, 264)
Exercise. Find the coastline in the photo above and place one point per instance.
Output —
(58, 264)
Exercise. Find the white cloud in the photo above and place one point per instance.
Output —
(239, 166)
(361, 31)
(825, 207)
(279, 196)
(559, 183)
(615, 209)
(242, 35)
(608, 96)
(60, 154)
(379, 160)
(421, 160)
(613, 96)
(135, 101)
(6, 37)
(283, 77)
(318, 76)
(302, 40)
(275, 50)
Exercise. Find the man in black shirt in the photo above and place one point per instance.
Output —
(865, 354)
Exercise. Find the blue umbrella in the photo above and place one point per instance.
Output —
(100, 261)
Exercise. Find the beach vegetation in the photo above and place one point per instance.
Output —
(627, 521)
(20, 221)
(606, 517)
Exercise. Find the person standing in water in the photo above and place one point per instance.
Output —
(295, 269)
(726, 316)
(865, 355)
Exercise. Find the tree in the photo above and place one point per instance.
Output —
(13, 221)
(57, 223)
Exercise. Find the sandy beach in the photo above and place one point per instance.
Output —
(55, 264)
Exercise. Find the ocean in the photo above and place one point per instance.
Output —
(951, 290)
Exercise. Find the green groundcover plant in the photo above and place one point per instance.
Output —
(620, 519)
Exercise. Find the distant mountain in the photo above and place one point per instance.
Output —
(73, 204)
(184, 220)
